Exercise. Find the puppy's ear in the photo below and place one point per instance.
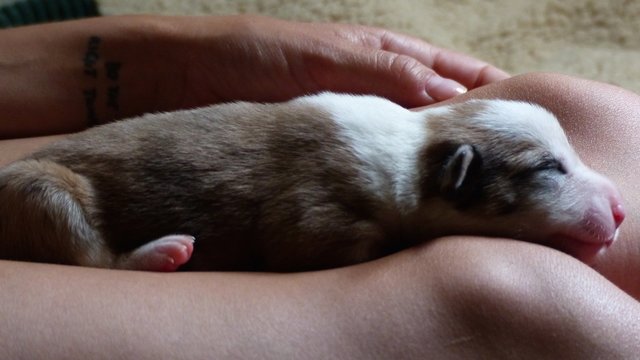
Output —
(460, 177)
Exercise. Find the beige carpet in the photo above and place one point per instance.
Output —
(595, 39)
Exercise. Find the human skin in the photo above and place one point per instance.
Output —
(63, 77)
(456, 297)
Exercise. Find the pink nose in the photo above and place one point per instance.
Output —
(618, 213)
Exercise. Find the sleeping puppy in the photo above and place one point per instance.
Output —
(316, 182)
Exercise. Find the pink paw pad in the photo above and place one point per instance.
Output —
(164, 254)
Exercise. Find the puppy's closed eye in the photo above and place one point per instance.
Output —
(550, 164)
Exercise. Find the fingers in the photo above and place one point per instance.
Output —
(267, 59)
(399, 78)
(449, 73)
(414, 80)
(441, 88)
(469, 71)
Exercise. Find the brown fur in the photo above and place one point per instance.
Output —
(280, 187)
(48, 214)
(265, 167)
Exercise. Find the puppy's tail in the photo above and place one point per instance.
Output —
(46, 215)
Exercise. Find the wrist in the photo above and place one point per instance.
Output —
(137, 66)
(63, 77)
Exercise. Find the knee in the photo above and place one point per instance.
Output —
(504, 276)
(515, 298)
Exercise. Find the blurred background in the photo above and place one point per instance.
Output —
(595, 39)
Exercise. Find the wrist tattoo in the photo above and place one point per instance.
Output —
(111, 78)
(91, 57)
(90, 96)
(113, 91)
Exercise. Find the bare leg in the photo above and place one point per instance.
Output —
(455, 298)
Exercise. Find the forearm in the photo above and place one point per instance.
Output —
(63, 77)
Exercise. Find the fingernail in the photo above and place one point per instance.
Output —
(441, 88)
(192, 238)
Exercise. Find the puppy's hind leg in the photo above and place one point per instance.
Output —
(47, 214)
(164, 254)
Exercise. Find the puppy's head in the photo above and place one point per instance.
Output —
(505, 168)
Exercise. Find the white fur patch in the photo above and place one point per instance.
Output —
(531, 121)
(386, 138)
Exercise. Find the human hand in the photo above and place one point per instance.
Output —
(115, 67)
(264, 59)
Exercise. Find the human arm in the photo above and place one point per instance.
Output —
(63, 77)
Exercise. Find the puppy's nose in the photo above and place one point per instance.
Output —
(618, 213)
(615, 201)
